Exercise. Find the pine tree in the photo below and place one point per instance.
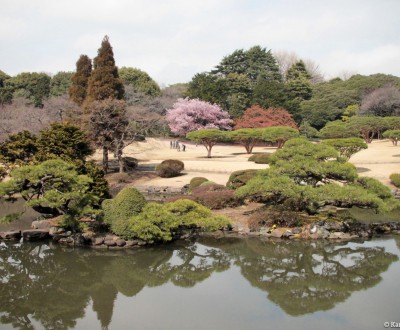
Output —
(298, 82)
(78, 88)
(104, 82)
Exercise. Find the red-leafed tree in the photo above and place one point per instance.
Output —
(257, 117)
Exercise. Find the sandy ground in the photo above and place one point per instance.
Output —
(378, 161)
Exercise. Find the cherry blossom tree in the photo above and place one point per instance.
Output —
(188, 115)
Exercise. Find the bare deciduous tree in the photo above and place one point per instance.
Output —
(382, 102)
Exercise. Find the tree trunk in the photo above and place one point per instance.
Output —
(105, 159)
(209, 151)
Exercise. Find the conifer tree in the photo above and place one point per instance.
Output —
(104, 82)
(79, 81)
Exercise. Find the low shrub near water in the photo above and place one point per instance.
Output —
(395, 179)
(117, 211)
(170, 168)
(162, 222)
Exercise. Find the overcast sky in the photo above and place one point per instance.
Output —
(174, 39)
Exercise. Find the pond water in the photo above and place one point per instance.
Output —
(208, 284)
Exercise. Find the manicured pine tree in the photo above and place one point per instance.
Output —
(104, 82)
(79, 81)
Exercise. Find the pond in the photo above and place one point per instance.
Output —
(209, 284)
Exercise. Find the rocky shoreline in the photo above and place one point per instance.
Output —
(327, 230)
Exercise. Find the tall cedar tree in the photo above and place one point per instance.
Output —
(257, 117)
(104, 83)
(79, 85)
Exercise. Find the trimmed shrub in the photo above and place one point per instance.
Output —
(260, 158)
(163, 222)
(196, 182)
(170, 168)
(395, 179)
(239, 178)
(117, 211)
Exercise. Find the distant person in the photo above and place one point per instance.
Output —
(183, 147)
(170, 144)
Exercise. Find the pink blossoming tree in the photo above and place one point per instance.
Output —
(191, 115)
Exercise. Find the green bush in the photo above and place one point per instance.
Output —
(163, 222)
(395, 179)
(260, 158)
(170, 168)
(117, 211)
(238, 179)
(196, 182)
(3, 172)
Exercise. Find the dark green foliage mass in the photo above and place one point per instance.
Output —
(60, 83)
(140, 81)
(260, 158)
(18, 149)
(52, 187)
(64, 141)
(330, 99)
(31, 85)
(196, 182)
(6, 91)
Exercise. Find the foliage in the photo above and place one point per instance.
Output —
(336, 130)
(367, 126)
(162, 222)
(139, 80)
(255, 116)
(208, 137)
(18, 149)
(384, 101)
(252, 63)
(260, 158)
(346, 147)
(3, 172)
(392, 135)
(60, 83)
(64, 141)
(279, 134)
(31, 85)
(304, 177)
(99, 185)
(248, 137)
(331, 99)
(392, 122)
(117, 211)
(170, 168)
(190, 115)
(104, 82)
(298, 83)
(238, 179)
(79, 81)
(196, 182)
(307, 130)
(395, 179)
(52, 187)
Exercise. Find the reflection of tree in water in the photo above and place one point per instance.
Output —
(304, 277)
(54, 286)
(38, 285)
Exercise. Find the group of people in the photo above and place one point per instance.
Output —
(176, 145)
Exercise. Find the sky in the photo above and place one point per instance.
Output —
(172, 40)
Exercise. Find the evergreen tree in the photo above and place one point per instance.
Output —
(79, 81)
(298, 82)
(104, 82)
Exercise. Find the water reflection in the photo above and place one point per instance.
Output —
(53, 286)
